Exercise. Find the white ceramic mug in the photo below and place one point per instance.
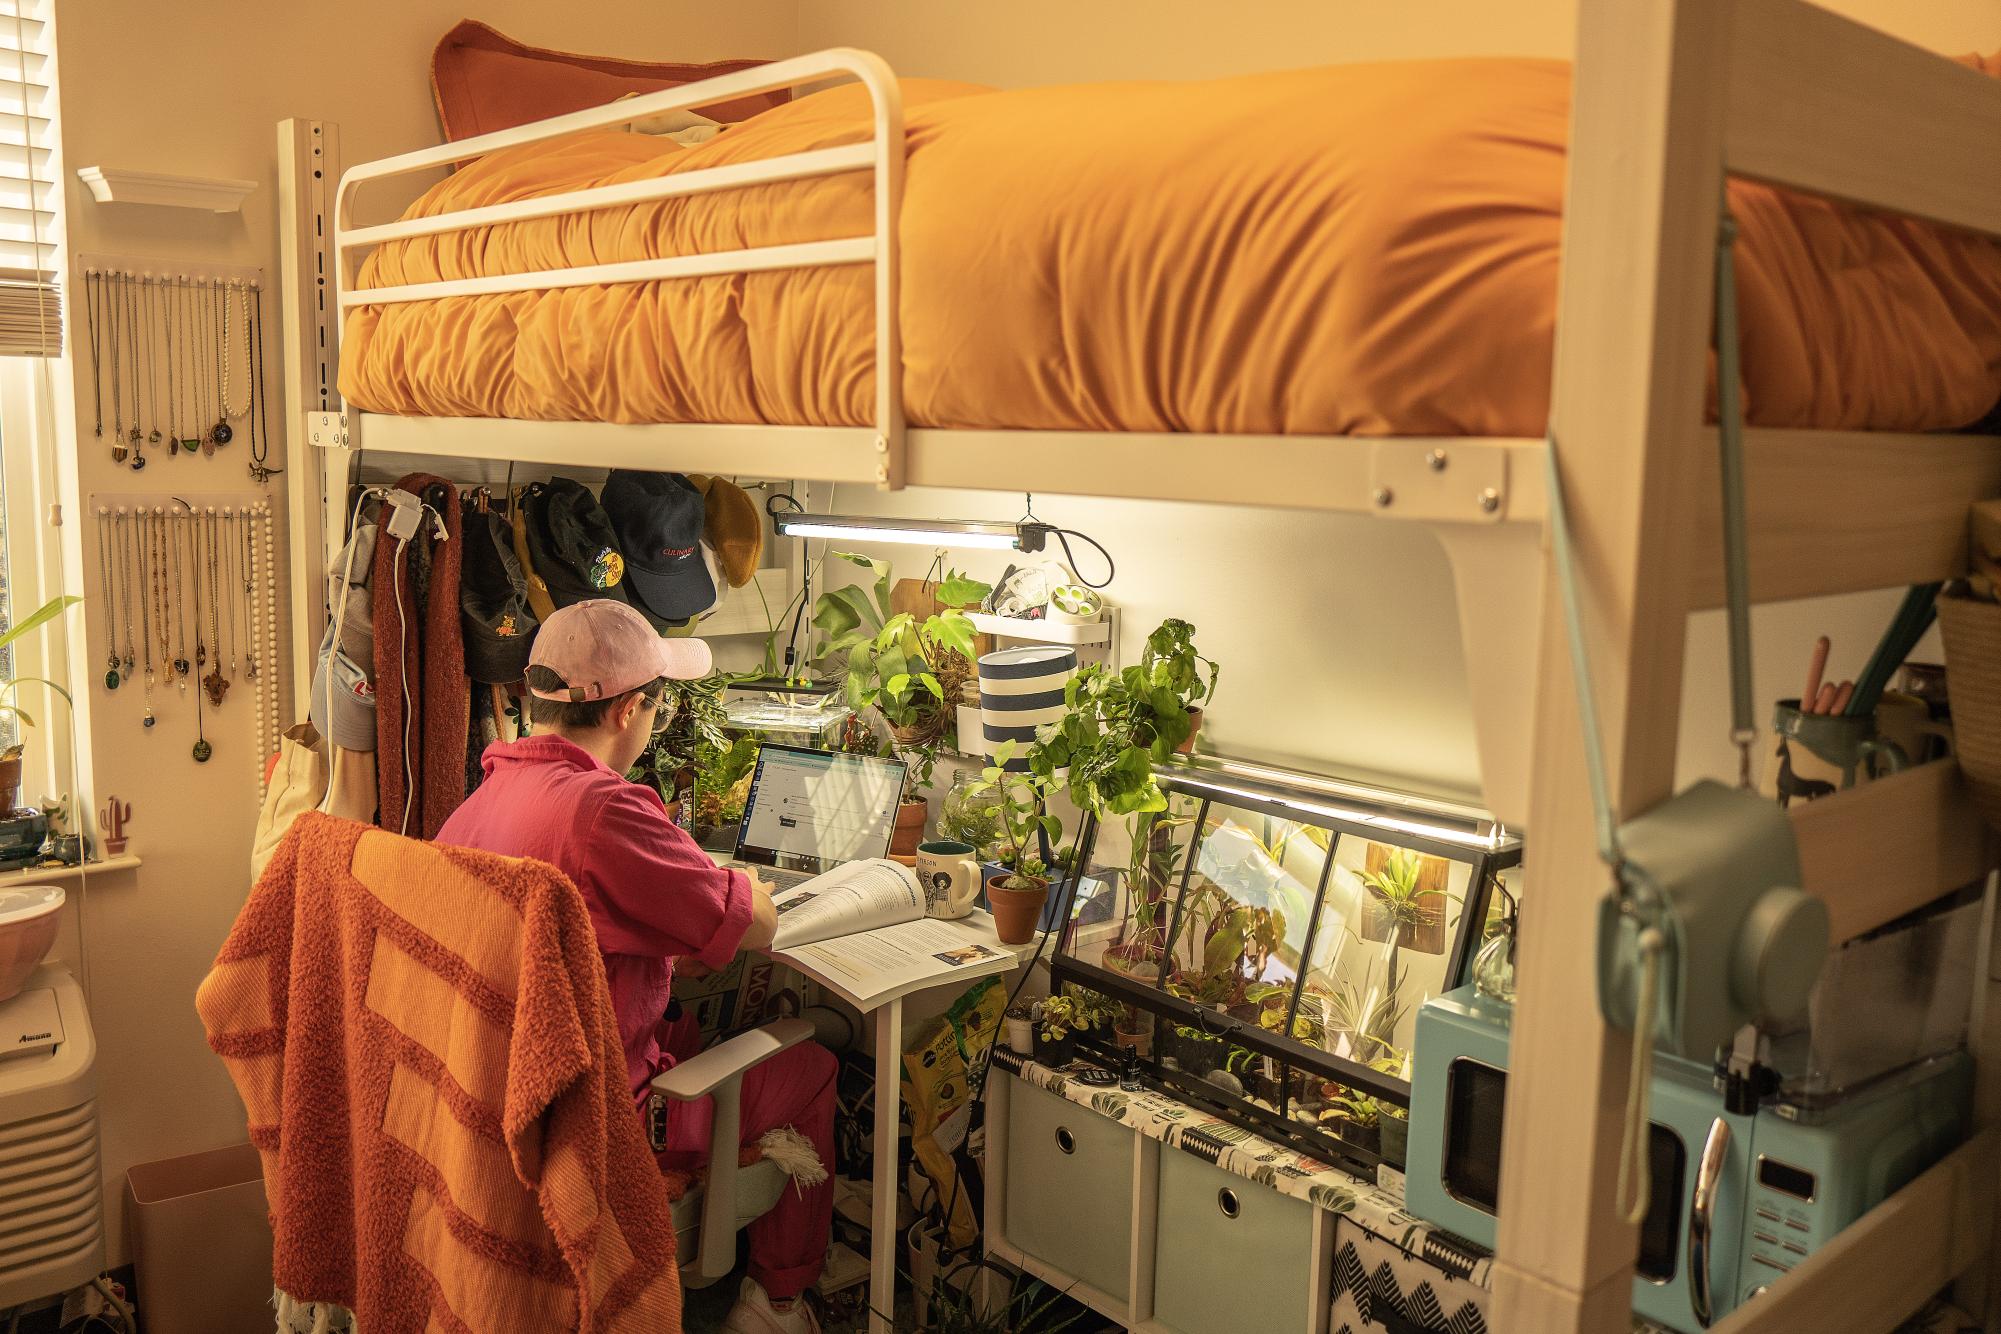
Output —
(950, 876)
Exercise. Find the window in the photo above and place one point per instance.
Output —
(30, 253)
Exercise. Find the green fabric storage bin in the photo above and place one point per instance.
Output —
(1069, 1188)
(1229, 1254)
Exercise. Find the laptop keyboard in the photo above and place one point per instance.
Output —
(778, 878)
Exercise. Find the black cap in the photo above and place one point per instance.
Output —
(493, 603)
(572, 546)
(657, 517)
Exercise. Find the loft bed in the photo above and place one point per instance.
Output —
(1667, 97)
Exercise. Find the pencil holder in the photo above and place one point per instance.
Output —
(1821, 753)
(1972, 631)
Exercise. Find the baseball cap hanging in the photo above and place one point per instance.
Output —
(493, 603)
(732, 527)
(572, 545)
(657, 517)
(357, 613)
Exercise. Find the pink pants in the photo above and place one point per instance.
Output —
(795, 1088)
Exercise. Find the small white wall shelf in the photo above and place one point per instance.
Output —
(112, 185)
(1041, 632)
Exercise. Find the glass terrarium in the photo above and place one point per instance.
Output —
(1279, 931)
(810, 720)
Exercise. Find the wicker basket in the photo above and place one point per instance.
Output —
(1972, 630)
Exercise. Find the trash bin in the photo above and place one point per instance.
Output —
(200, 1236)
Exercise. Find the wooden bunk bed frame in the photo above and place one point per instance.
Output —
(1669, 96)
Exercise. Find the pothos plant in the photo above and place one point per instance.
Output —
(1170, 658)
(1021, 802)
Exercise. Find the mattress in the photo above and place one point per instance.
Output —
(1364, 249)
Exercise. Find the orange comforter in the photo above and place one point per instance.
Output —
(1366, 249)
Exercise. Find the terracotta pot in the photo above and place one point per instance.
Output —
(909, 829)
(1187, 746)
(1016, 910)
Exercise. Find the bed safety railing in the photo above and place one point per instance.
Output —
(881, 155)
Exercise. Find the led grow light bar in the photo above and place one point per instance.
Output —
(1024, 536)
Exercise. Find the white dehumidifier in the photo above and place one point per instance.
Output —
(51, 1201)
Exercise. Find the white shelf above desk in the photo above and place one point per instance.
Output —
(115, 185)
(1042, 632)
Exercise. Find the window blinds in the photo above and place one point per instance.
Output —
(30, 253)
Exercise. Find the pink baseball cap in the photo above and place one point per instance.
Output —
(603, 648)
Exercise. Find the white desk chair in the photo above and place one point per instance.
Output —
(717, 1204)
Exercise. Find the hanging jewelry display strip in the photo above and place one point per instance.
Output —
(177, 356)
(188, 587)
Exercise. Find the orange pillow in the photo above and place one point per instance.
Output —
(484, 81)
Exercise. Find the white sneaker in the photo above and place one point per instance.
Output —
(754, 1314)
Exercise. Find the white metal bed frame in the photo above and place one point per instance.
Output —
(1669, 95)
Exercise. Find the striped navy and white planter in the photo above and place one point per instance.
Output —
(1020, 690)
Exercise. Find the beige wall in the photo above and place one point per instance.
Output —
(196, 89)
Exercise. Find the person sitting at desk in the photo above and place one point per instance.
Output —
(598, 680)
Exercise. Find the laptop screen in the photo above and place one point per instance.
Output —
(811, 809)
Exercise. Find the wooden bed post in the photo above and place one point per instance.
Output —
(1630, 375)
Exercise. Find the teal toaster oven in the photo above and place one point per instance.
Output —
(1780, 1186)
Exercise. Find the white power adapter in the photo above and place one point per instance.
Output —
(406, 512)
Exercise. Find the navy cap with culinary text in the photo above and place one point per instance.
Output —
(657, 517)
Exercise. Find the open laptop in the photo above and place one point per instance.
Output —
(812, 810)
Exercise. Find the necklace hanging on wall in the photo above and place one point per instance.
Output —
(93, 288)
(248, 562)
(137, 438)
(142, 530)
(119, 450)
(215, 683)
(260, 420)
(176, 583)
(147, 318)
(170, 350)
(223, 434)
(202, 750)
(230, 570)
(125, 562)
(104, 581)
(159, 527)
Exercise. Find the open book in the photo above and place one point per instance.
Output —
(856, 896)
(861, 929)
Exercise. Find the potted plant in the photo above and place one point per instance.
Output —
(1019, 1019)
(1397, 903)
(1058, 1020)
(1020, 888)
(969, 814)
(909, 670)
(1357, 1118)
(1393, 1125)
(10, 759)
(1368, 1018)
(1194, 1052)
(1171, 659)
(1132, 1029)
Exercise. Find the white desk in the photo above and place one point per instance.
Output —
(889, 1098)
(889, 1088)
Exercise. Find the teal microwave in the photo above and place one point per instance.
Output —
(1782, 1187)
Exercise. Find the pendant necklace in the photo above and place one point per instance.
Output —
(202, 750)
(144, 533)
(260, 421)
(159, 527)
(248, 562)
(191, 440)
(149, 317)
(104, 577)
(93, 288)
(172, 350)
(119, 451)
(215, 682)
(230, 548)
(195, 553)
(124, 566)
(223, 433)
(175, 583)
(132, 357)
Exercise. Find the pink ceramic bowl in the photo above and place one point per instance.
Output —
(29, 916)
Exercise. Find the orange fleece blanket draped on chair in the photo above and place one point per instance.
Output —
(423, 1041)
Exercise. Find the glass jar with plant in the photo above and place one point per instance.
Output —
(908, 668)
(969, 814)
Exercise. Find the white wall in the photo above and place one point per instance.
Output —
(197, 89)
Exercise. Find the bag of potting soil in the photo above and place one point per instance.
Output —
(941, 1107)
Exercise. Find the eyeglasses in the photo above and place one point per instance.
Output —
(663, 711)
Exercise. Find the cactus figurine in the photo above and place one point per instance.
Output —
(117, 815)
